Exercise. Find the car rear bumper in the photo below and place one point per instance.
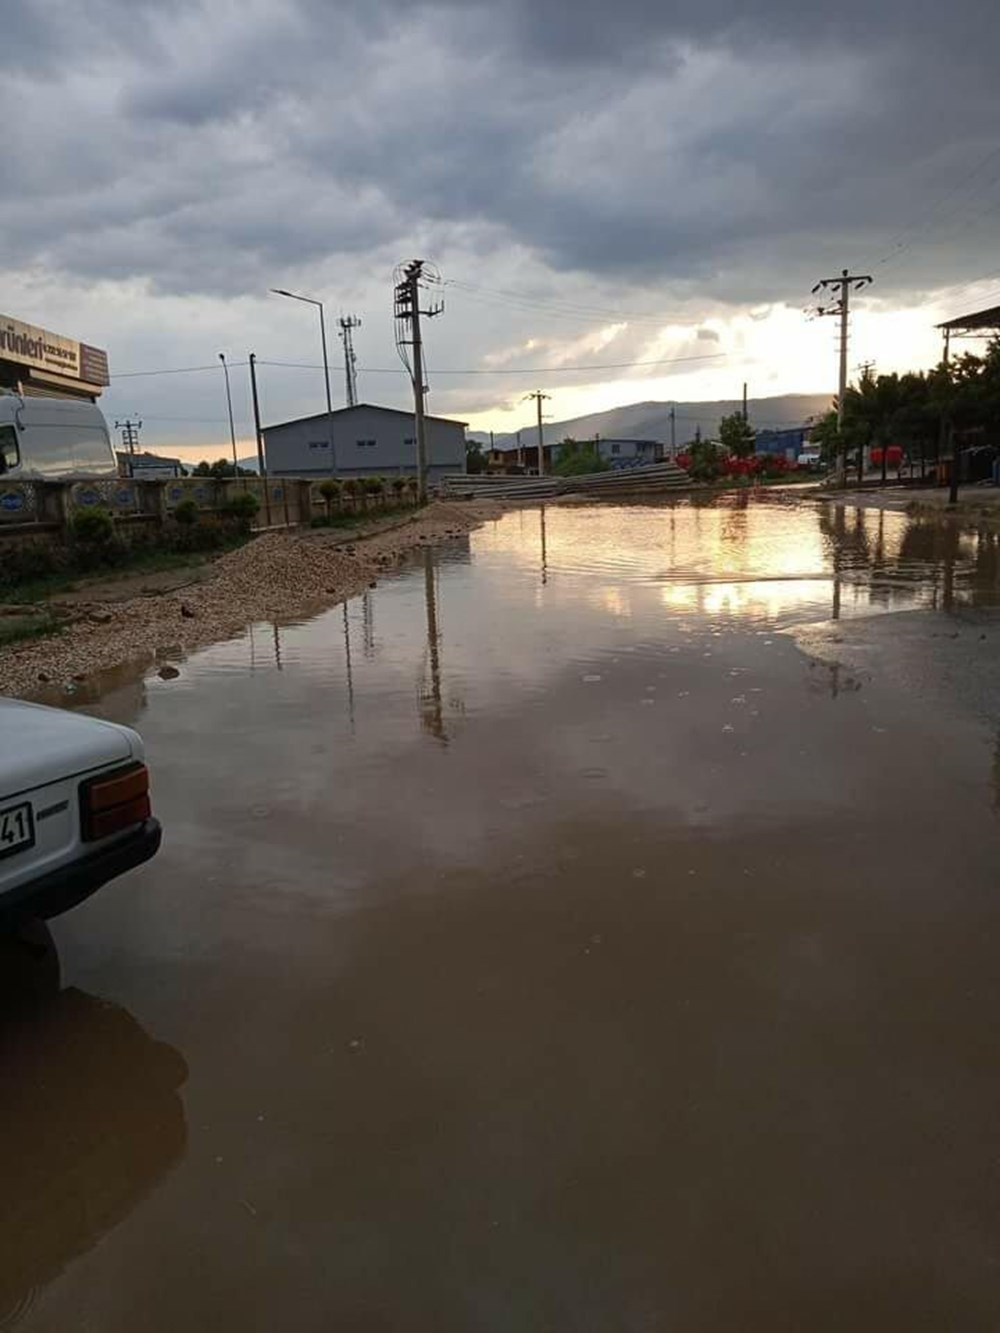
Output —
(61, 889)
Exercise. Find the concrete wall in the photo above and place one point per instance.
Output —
(300, 448)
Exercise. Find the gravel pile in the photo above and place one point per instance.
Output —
(277, 574)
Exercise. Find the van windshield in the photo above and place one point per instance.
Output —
(10, 453)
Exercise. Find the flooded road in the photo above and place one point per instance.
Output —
(545, 941)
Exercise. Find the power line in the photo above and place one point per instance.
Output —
(570, 309)
(177, 370)
(898, 244)
(394, 370)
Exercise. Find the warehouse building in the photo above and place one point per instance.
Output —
(367, 441)
(35, 361)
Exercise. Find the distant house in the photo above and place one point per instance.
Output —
(367, 441)
(618, 452)
(622, 452)
(522, 458)
(148, 467)
(787, 442)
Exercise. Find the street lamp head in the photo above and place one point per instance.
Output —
(222, 357)
(280, 291)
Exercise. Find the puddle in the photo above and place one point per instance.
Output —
(550, 942)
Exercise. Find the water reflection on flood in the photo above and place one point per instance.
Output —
(735, 560)
(552, 946)
(757, 559)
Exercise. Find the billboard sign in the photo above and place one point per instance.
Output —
(29, 345)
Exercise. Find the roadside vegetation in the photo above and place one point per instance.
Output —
(36, 570)
(927, 414)
(349, 501)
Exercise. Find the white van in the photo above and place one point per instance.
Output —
(53, 438)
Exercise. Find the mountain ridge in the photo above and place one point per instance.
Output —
(650, 420)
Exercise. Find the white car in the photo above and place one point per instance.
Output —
(74, 808)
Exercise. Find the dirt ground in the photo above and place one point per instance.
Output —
(279, 574)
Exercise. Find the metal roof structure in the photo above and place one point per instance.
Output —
(980, 321)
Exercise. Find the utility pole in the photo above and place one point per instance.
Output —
(310, 300)
(260, 436)
(842, 286)
(745, 417)
(229, 402)
(130, 439)
(866, 371)
(347, 325)
(409, 279)
(539, 396)
(673, 434)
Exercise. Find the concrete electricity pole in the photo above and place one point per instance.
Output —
(347, 324)
(407, 312)
(252, 359)
(229, 403)
(130, 439)
(673, 434)
(841, 306)
(538, 396)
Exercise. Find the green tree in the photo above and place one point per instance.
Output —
(330, 491)
(737, 435)
(220, 469)
(575, 458)
(475, 459)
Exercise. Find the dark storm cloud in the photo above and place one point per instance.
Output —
(694, 144)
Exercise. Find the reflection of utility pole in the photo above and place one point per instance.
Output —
(368, 624)
(538, 396)
(839, 519)
(350, 673)
(545, 566)
(277, 645)
(431, 710)
(347, 324)
(845, 284)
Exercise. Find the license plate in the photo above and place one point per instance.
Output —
(17, 829)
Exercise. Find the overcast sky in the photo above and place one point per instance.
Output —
(599, 184)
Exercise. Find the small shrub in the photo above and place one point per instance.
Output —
(92, 527)
(242, 508)
(186, 513)
(330, 491)
(30, 563)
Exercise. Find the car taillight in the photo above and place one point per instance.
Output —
(113, 802)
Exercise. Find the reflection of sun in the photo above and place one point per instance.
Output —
(753, 599)
(679, 596)
(613, 601)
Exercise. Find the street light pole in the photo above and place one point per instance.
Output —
(229, 401)
(309, 300)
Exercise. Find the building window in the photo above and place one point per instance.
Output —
(319, 444)
(410, 441)
(366, 444)
(616, 448)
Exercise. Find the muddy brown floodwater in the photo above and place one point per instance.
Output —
(593, 927)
